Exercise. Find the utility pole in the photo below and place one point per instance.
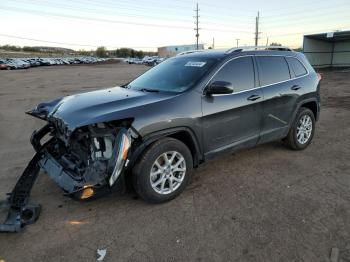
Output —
(237, 39)
(257, 29)
(267, 41)
(197, 26)
(213, 43)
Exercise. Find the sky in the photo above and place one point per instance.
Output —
(148, 24)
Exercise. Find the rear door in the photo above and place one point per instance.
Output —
(280, 96)
(233, 120)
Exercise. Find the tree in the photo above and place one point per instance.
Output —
(83, 52)
(139, 54)
(101, 51)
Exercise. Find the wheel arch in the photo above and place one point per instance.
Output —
(183, 134)
(311, 104)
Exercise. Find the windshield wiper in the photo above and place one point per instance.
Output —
(149, 90)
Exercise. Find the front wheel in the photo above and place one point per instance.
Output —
(302, 130)
(163, 171)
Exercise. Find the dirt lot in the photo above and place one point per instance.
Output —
(265, 204)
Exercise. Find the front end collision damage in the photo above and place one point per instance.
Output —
(86, 163)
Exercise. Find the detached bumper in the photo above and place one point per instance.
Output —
(57, 173)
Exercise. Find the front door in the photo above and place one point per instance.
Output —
(233, 120)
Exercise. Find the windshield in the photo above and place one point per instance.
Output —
(173, 75)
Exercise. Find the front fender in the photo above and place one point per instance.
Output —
(138, 147)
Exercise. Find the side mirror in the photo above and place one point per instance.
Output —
(218, 88)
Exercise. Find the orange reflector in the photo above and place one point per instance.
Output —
(74, 222)
(126, 145)
(87, 192)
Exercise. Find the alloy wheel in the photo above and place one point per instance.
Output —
(168, 172)
(304, 129)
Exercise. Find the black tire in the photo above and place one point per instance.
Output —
(291, 140)
(141, 172)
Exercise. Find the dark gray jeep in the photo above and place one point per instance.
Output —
(188, 109)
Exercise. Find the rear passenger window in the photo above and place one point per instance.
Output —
(239, 72)
(296, 67)
(272, 69)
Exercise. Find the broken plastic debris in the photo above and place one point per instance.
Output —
(334, 254)
(102, 253)
(75, 222)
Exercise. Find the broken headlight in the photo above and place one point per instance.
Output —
(123, 140)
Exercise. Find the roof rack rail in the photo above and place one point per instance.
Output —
(190, 52)
(252, 48)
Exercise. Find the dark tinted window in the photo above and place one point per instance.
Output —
(296, 67)
(174, 75)
(239, 72)
(272, 69)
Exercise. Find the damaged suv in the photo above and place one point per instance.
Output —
(190, 108)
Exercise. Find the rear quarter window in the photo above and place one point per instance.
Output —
(296, 67)
(272, 69)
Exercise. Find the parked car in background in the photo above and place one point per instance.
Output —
(4, 65)
(12, 64)
(20, 63)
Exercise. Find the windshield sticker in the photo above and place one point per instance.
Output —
(195, 64)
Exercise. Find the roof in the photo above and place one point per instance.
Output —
(220, 53)
(331, 36)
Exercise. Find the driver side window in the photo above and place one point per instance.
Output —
(239, 72)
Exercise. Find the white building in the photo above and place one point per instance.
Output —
(328, 49)
(169, 51)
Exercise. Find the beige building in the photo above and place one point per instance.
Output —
(169, 51)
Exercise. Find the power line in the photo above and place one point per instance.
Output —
(304, 9)
(67, 43)
(103, 20)
(134, 8)
(143, 9)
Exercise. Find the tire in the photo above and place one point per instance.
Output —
(296, 142)
(151, 188)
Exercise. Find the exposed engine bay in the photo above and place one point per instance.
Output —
(85, 163)
(90, 158)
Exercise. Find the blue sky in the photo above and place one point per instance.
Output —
(147, 24)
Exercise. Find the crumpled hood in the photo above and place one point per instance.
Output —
(96, 106)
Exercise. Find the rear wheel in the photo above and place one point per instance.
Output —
(302, 130)
(163, 171)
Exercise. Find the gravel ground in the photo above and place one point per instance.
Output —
(264, 204)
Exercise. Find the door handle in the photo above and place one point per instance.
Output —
(295, 87)
(253, 97)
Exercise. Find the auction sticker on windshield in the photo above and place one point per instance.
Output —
(195, 64)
